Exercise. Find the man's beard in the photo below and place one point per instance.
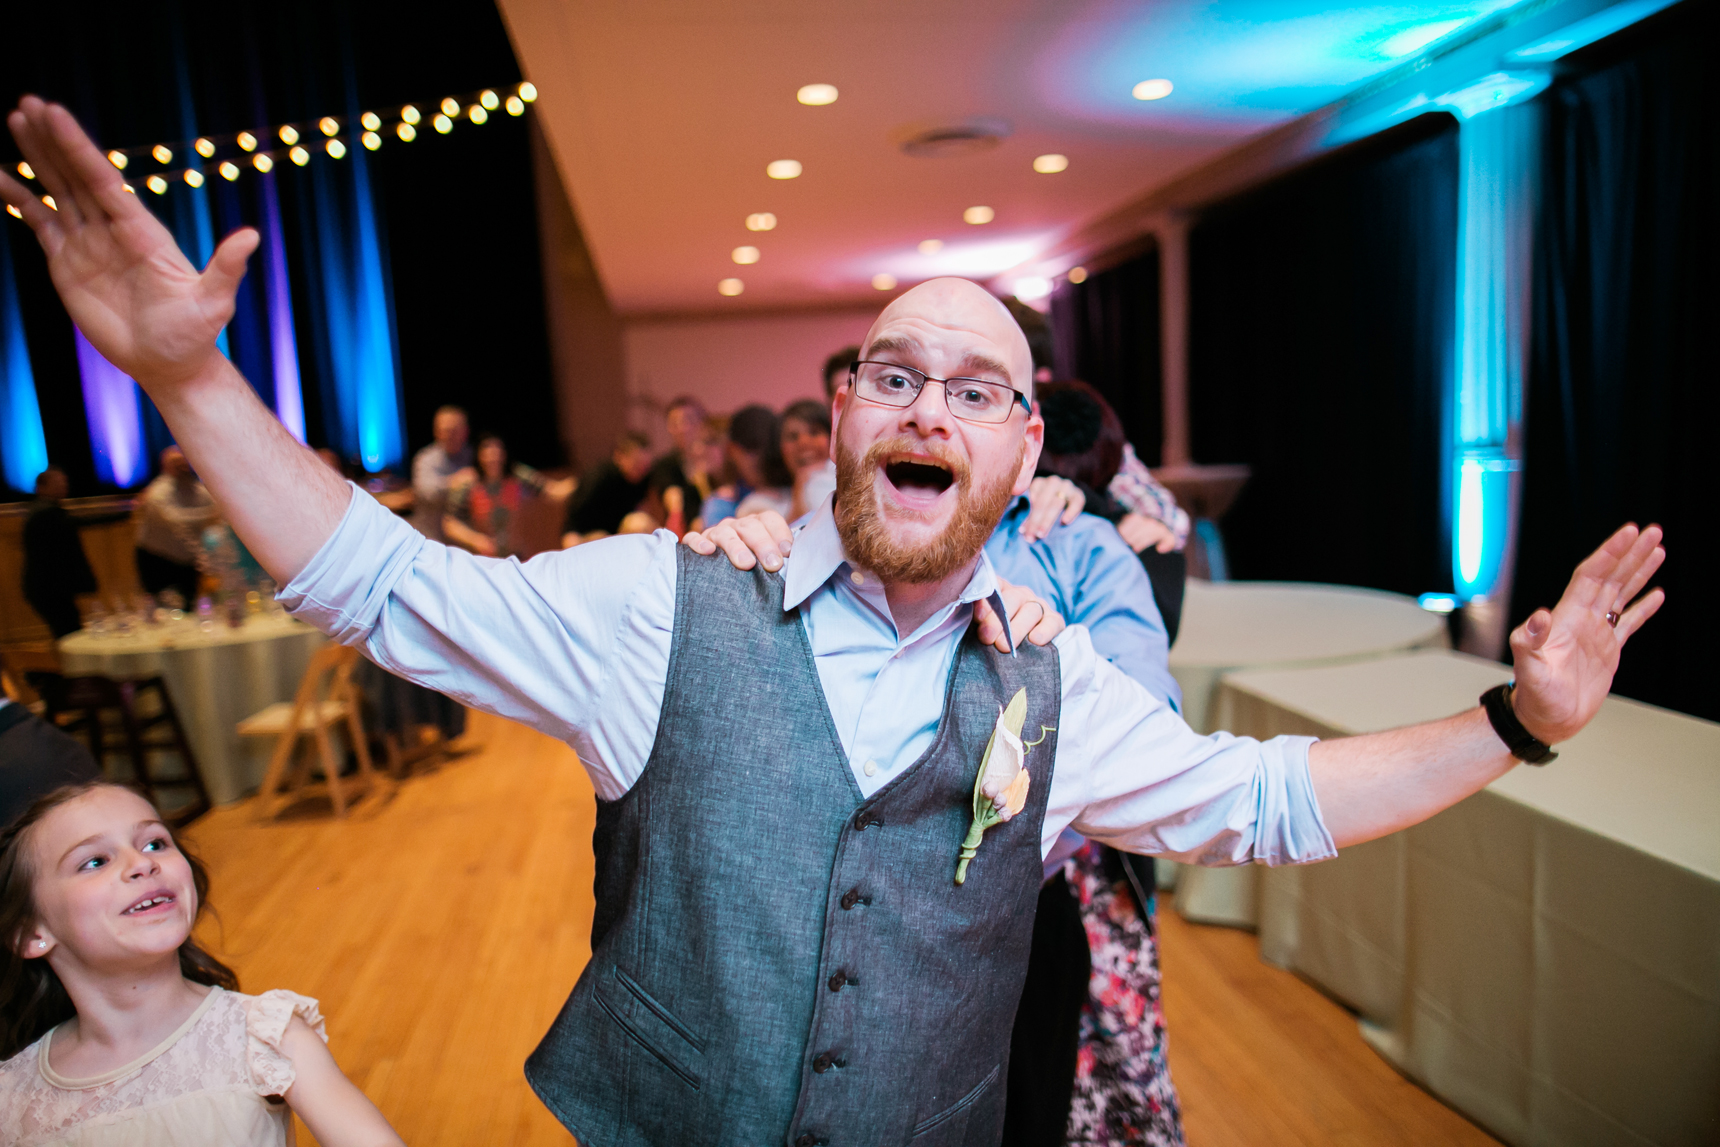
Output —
(866, 534)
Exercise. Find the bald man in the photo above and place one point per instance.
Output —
(824, 798)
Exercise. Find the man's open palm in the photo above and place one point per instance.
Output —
(123, 279)
(1565, 659)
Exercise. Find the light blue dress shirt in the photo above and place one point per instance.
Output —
(576, 644)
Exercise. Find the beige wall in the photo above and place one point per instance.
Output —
(730, 362)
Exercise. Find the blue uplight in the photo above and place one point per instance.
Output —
(23, 447)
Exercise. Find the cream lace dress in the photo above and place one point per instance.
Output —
(206, 1085)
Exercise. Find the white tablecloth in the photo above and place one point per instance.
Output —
(1247, 625)
(216, 679)
(1545, 956)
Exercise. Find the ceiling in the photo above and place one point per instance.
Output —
(663, 114)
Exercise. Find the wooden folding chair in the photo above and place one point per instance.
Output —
(131, 719)
(325, 698)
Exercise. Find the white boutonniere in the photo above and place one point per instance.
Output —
(1000, 788)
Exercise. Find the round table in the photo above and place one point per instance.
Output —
(216, 677)
(1235, 625)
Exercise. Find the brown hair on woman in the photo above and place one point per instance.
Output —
(32, 999)
(1083, 436)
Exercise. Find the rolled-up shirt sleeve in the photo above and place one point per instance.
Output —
(1131, 773)
(573, 643)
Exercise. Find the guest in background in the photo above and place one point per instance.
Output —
(752, 460)
(610, 494)
(171, 517)
(482, 509)
(836, 369)
(435, 467)
(804, 442)
(56, 569)
(684, 467)
(35, 759)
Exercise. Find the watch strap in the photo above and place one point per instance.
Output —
(1524, 745)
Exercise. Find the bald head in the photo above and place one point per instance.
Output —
(991, 339)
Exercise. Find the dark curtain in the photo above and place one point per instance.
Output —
(1321, 309)
(1105, 331)
(457, 210)
(1624, 397)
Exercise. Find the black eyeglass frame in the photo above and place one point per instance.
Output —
(854, 377)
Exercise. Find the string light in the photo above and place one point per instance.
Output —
(883, 282)
(299, 156)
(762, 221)
(247, 141)
(744, 255)
(528, 91)
(156, 184)
(130, 190)
(229, 170)
(450, 106)
(14, 212)
(335, 148)
(516, 106)
(370, 120)
(730, 287)
(406, 132)
(289, 134)
(329, 125)
(49, 200)
(477, 114)
(371, 140)
(442, 124)
(409, 114)
(193, 177)
(488, 99)
(119, 159)
(26, 171)
(263, 163)
(205, 146)
(162, 153)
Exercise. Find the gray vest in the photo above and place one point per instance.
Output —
(776, 960)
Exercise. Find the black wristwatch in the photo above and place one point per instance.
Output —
(1524, 745)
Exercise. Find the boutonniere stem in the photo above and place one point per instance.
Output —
(1000, 788)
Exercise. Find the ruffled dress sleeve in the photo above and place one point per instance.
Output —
(266, 1019)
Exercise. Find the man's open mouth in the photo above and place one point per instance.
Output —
(917, 477)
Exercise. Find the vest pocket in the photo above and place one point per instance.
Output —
(652, 1026)
(938, 1121)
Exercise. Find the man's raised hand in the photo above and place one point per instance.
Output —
(1565, 658)
(123, 279)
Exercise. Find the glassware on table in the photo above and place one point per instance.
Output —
(206, 613)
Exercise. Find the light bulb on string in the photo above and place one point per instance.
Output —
(205, 146)
(49, 200)
(289, 134)
(247, 141)
(516, 106)
(528, 91)
(335, 148)
(450, 106)
(130, 190)
(162, 153)
(406, 132)
(119, 159)
(26, 171)
(488, 99)
(156, 184)
(370, 120)
(477, 114)
(194, 178)
(409, 114)
(299, 156)
(442, 124)
(371, 140)
(263, 163)
(229, 171)
(14, 212)
(329, 125)
(761, 221)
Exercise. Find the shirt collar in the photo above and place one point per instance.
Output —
(818, 556)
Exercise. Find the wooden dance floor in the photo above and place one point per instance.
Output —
(442, 924)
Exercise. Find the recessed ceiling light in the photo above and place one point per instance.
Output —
(762, 221)
(978, 215)
(1032, 287)
(1077, 274)
(744, 255)
(730, 287)
(883, 282)
(1051, 164)
(1153, 89)
(817, 95)
(931, 246)
(783, 169)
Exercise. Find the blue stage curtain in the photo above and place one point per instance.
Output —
(1623, 401)
(1321, 311)
(1105, 331)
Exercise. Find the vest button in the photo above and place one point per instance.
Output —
(865, 819)
(838, 981)
(807, 1141)
(823, 1063)
(850, 898)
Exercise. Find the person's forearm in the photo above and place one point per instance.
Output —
(1376, 784)
(282, 501)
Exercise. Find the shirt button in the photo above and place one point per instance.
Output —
(857, 578)
(871, 768)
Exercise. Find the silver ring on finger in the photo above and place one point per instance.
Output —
(1612, 618)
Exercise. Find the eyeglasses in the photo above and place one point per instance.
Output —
(970, 399)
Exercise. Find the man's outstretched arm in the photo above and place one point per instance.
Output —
(141, 303)
(1564, 659)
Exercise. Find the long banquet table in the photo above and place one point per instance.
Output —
(216, 679)
(1258, 624)
(1545, 955)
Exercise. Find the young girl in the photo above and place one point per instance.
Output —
(116, 1027)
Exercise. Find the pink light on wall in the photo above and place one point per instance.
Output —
(111, 402)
